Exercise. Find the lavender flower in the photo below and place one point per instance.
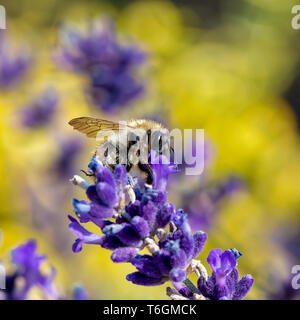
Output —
(133, 217)
(112, 89)
(13, 68)
(202, 205)
(28, 274)
(79, 293)
(221, 264)
(174, 255)
(40, 111)
(105, 62)
(223, 284)
(134, 223)
(69, 150)
(161, 170)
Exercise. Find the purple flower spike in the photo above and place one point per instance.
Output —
(28, 268)
(13, 67)
(41, 111)
(68, 152)
(79, 293)
(133, 218)
(234, 289)
(174, 255)
(108, 65)
(28, 275)
(224, 283)
(25, 256)
(111, 89)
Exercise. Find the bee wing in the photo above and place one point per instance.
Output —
(91, 126)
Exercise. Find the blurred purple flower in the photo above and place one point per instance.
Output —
(64, 164)
(28, 274)
(202, 205)
(40, 111)
(288, 238)
(111, 89)
(79, 293)
(13, 67)
(285, 291)
(108, 64)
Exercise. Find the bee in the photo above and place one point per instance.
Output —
(155, 131)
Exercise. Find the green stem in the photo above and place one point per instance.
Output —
(191, 286)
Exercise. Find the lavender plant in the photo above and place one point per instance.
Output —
(13, 66)
(107, 65)
(41, 110)
(28, 275)
(203, 203)
(64, 164)
(133, 217)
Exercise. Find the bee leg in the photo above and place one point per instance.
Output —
(112, 167)
(147, 169)
(128, 167)
(87, 174)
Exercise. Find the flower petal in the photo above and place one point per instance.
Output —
(214, 259)
(199, 242)
(243, 286)
(141, 226)
(228, 261)
(107, 193)
(105, 175)
(129, 236)
(164, 215)
(177, 275)
(145, 265)
(124, 254)
(143, 280)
